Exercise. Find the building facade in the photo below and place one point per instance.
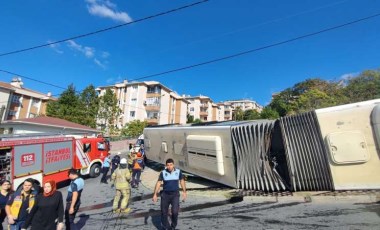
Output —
(148, 100)
(203, 108)
(17, 102)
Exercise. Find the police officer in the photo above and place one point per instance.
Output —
(121, 177)
(170, 177)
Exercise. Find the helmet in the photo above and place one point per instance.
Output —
(139, 154)
(123, 161)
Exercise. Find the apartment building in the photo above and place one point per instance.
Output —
(148, 100)
(203, 108)
(17, 102)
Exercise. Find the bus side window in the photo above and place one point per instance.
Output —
(87, 147)
(101, 146)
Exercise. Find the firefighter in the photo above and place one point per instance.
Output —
(131, 157)
(121, 178)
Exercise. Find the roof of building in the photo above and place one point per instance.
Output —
(51, 122)
(25, 91)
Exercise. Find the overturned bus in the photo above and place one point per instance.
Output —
(334, 148)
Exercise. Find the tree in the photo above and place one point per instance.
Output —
(251, 114)
(134, 128)
(308, 95)
(314, 99)
(108, 112)
(269, 113)
(190, 119)
(90, 105)
(364, 87)
(197, 121)
(66, 107)
(238, 114)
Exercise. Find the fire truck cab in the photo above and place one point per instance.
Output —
(44, 158)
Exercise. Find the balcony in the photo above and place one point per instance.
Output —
(153, 94)
(152, 121)
(203, 113)
(152, 107)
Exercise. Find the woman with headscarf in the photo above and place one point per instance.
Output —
(5, 191)
(47, 212)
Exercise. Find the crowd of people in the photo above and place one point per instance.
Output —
(43, 208)
(40, 208)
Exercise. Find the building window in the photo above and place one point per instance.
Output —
(152, 115)
(133, 101)
(191, 109)
(12, 113)
(35, 102)
(16, 99)
(132, 113)
(134, 87)
(6, 130)
(154, 89)
(153, 101)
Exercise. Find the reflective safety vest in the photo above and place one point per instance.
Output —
(138, 163)
(121, 177)
(17, 202)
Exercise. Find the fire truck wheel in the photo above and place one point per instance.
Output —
(95, 170)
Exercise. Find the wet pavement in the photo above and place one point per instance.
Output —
(213, 206)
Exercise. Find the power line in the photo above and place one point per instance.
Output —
(43, 82)
(76, 91)
(258, 49)
(105, 29)
(233, 55)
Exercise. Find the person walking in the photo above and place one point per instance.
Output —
(142, 151)
(4, 196)
(131, 156)
(170, 177)
(120, 178)
(19, 205)
(115, 162)
(138, 164)
(74, 193)
(130, 147)
(47, 209)
(105, 168)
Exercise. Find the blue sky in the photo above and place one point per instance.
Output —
(207, 31)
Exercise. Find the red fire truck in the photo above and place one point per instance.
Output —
(43, 158)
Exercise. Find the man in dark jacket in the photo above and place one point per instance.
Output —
(115, 162)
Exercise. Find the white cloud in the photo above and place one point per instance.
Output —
(348, 76)
(99, 63)
(55, 47)
(105, 54)
(107, 9)
(87, 51)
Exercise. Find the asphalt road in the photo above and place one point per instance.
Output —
(211, 209)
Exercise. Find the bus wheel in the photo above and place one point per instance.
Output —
(95, 170)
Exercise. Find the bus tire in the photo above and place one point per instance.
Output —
(95, 170)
